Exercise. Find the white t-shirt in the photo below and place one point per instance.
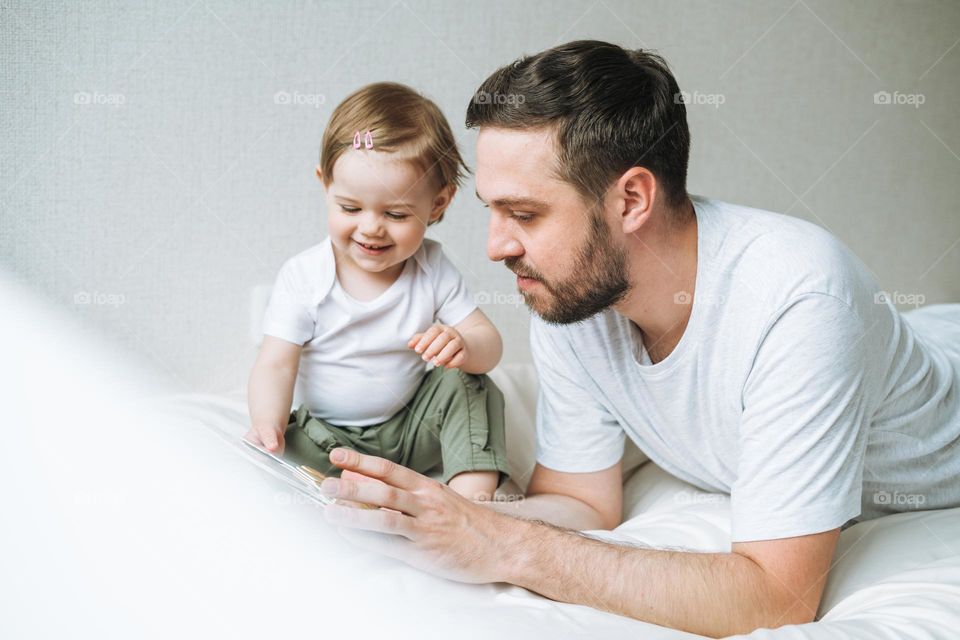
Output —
(356, 368)
(797, 387)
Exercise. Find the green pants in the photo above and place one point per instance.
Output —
(455, 418)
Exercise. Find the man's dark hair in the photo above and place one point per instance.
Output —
(611, 109)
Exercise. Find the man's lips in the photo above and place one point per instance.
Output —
(524, 282)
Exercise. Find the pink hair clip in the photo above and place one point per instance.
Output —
(368, 140)
(356, 140)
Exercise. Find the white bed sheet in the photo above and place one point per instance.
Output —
(130, 517)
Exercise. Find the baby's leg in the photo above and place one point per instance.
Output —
(465, 413)
(475, 485)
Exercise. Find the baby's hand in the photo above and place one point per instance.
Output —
(442, 344)
(267, 437)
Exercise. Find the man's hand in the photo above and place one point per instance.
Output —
(270, 438)
(423, 522)
(429, 526)
(442, 344)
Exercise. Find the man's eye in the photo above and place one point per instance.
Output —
(396, 216)
(521, 217)
(349, 209)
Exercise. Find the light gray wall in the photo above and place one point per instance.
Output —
(168, 208)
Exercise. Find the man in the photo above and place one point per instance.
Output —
(742, 351)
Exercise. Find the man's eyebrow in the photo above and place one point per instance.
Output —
(517, 202)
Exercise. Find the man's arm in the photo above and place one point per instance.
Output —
(429, 526)
(572, 500)
(759, 584)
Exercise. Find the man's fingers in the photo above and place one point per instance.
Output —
(414, 340)
(375, 493)
(356, 477)
(379, 468)
(379, 520)
(346, 474)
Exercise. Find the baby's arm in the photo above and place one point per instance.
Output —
(482, 343)
(473, 345)
(270, 392)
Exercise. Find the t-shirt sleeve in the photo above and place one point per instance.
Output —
(804, 423)
(454, 302)
(288, 315)
(575, 433)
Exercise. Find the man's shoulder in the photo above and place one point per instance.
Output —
(775, 257)
(748, 232)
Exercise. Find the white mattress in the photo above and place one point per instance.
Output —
(126, 516)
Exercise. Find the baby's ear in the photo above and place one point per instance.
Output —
(319, 173)
(441, 201)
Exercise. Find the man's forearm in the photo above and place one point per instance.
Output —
(562, 511)
(713, 594)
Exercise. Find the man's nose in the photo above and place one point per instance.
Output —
(500, 242)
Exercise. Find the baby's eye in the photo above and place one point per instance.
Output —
(349, 209)
(396, 216)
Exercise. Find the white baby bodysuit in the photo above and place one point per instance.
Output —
(356, 368)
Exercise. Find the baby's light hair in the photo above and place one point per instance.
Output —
(400, 120)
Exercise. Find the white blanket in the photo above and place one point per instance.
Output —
(130, 517)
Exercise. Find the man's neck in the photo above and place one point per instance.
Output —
(663, 270)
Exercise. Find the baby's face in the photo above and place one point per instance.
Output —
(378, 207)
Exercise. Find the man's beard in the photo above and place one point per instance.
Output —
(597, 281)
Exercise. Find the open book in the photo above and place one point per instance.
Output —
(306, 480)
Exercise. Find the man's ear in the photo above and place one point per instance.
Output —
(441, 201)
(635, 191)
